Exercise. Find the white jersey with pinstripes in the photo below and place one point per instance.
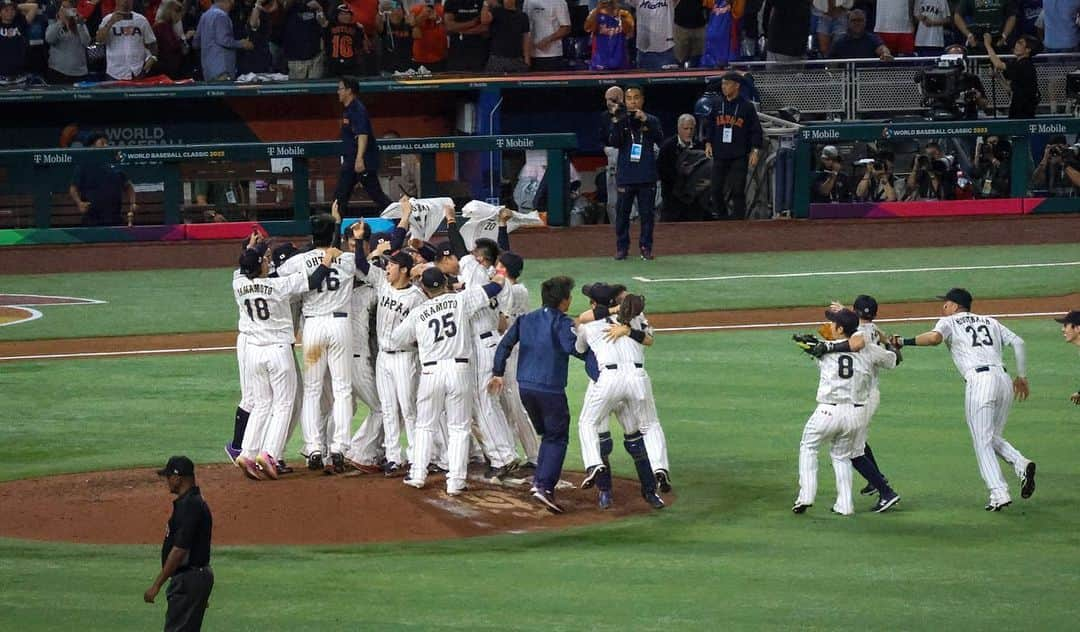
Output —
(622, 351)
(243, 324)
(266, 307)
(363, 301)
(335, 293)
(438, 326)
(845, 377)
(475, 275)
(392, 306)
(974, 340)
(872, 336)
(518, 303)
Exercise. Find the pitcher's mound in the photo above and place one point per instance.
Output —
(132, 507)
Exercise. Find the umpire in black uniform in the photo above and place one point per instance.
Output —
(733, 140)
(185, 553)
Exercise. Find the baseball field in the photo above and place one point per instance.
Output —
(733, 393)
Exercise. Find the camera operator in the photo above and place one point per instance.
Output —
(1058, 171)
(831, 183)
(636, 135)
(876, 185)
(1021, 74)
(990, 172)
(930, 177)
(972, 93)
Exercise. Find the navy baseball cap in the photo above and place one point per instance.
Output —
(958, 295)
(433, 278)
(865, 306)
(602, 293)
(178, 466)
(845, 319)
(1072, 318)
(402, 259)
(513, 263)
(443, 250)
(427, 251)
(376, 238)
(282, 253)
(250, 262)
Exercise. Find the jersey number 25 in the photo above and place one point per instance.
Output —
(446, 329)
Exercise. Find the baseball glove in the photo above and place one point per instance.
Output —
(811, 344)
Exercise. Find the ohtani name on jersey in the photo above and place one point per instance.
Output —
(316, 262)
(393, 305)
(436, 309)
(256, 289)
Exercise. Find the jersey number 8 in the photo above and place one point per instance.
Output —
(446, 329)
(846, 367)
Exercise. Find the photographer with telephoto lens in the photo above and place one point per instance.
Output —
(876, 184)
(990, 172)
(1058, 173)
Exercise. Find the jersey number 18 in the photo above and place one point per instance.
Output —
(261, 310)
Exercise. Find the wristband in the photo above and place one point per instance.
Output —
(910, 342)
(637, 336)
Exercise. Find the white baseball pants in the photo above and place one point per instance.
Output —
(837, 424)
(247, 399)
(446, 386)
(515, 410)
(327, 345)
(366, 446)
(987, 400)
(625, 386)
(395, 381)
(491, 421)
(863, 430)
(272, 380)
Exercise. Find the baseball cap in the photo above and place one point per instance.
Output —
(402, 259)
(376, 238)
(1072, 318)
(433, 278)
(178, 466)
(513, 263)
(602, 293)
(282, 253)
(731, 76)
(958, 295)
(443, 250)
(845, 319)
(427, 251)
(865, 306)
(250, 262)
(830, 151)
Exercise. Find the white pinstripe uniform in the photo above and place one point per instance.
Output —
(396, 366)
(871, 335)
(516, 306)
(327, 341)
(440, 327)
(623, 383)
(843, 392)
(367, 444)
(268, 358)
(243, 327)
(491, 421)
(976, 344)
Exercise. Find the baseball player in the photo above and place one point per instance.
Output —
(269, 361)
(976, 344)
(243, 408)
(441, 329)
(473, 269)
(510, 266)
(842, 396)
(1070, 329)
(327, 341)
(396, 367)
(622, 380)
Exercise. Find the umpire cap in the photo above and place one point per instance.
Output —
(178, 466)
(433, 278)
(513, 263)
(1072, 318)
(958, 295)
(846, 319)
(865, 306)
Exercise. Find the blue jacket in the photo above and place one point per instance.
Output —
(547, 342)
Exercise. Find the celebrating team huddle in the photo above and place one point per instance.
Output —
(415, 332)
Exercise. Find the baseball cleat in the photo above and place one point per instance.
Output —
(620, 255)
(314, 461)
(364, 468)
(869, 490)
(435, 468)
(337, 461)
(267, 464)
(646, 254)
(605, 499)
(997, 506)
(654, 500)
(497, 474)
(840, 513)
(231, 452)
(663, 480)
(249, 468)
(413, 482)
(884, 504)
(527, 467)
(590, 476)
(282, 468)
(1027, 481)
(800, 508)
(393, 469)
(547, 499)
(457, 491)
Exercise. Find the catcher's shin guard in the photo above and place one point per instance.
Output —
(635, 445)
(603, 480)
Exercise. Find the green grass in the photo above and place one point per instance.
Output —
(727, 554)
(175, 301)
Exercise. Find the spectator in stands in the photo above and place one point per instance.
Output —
(369, 17)
(680, 158)
(876, 184)
(610, 27)
(468, 35)
(349, 52)
(654, 22)
(893, 25)
(302, 38)
(733, 139)
(216, 44)
(37, 51)
(68, 38)
(98, 190)
(721, 36)
(831, 183)
(859, 43)
(749, 30)
(1027, 18)
(1061, 33)
(14, 43)
(172, 47)
(130, 44)
(689, 31)
(832, 22)
(511, 42)
(995, 17)
(990, 172)
(549, 23)
(787, 29)
(1020, 73)
(429, 36)
(254, 21)
(397, 41)
(1059, 170)
(636, 134)
(932, 16)
(931, 176)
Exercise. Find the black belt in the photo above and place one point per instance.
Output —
(458, 360)
(395, 351)
(487, 334)
(855, 405)
(341, 314)
(984, 369)
(334, 315)
(615, 366)
(185, 569)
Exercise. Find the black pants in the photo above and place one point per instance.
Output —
(645, 194)
(188, 593)
(729, 181)
(347, 180)
(550, 416)
(548, 64)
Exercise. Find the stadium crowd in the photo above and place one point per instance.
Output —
(66, 41)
